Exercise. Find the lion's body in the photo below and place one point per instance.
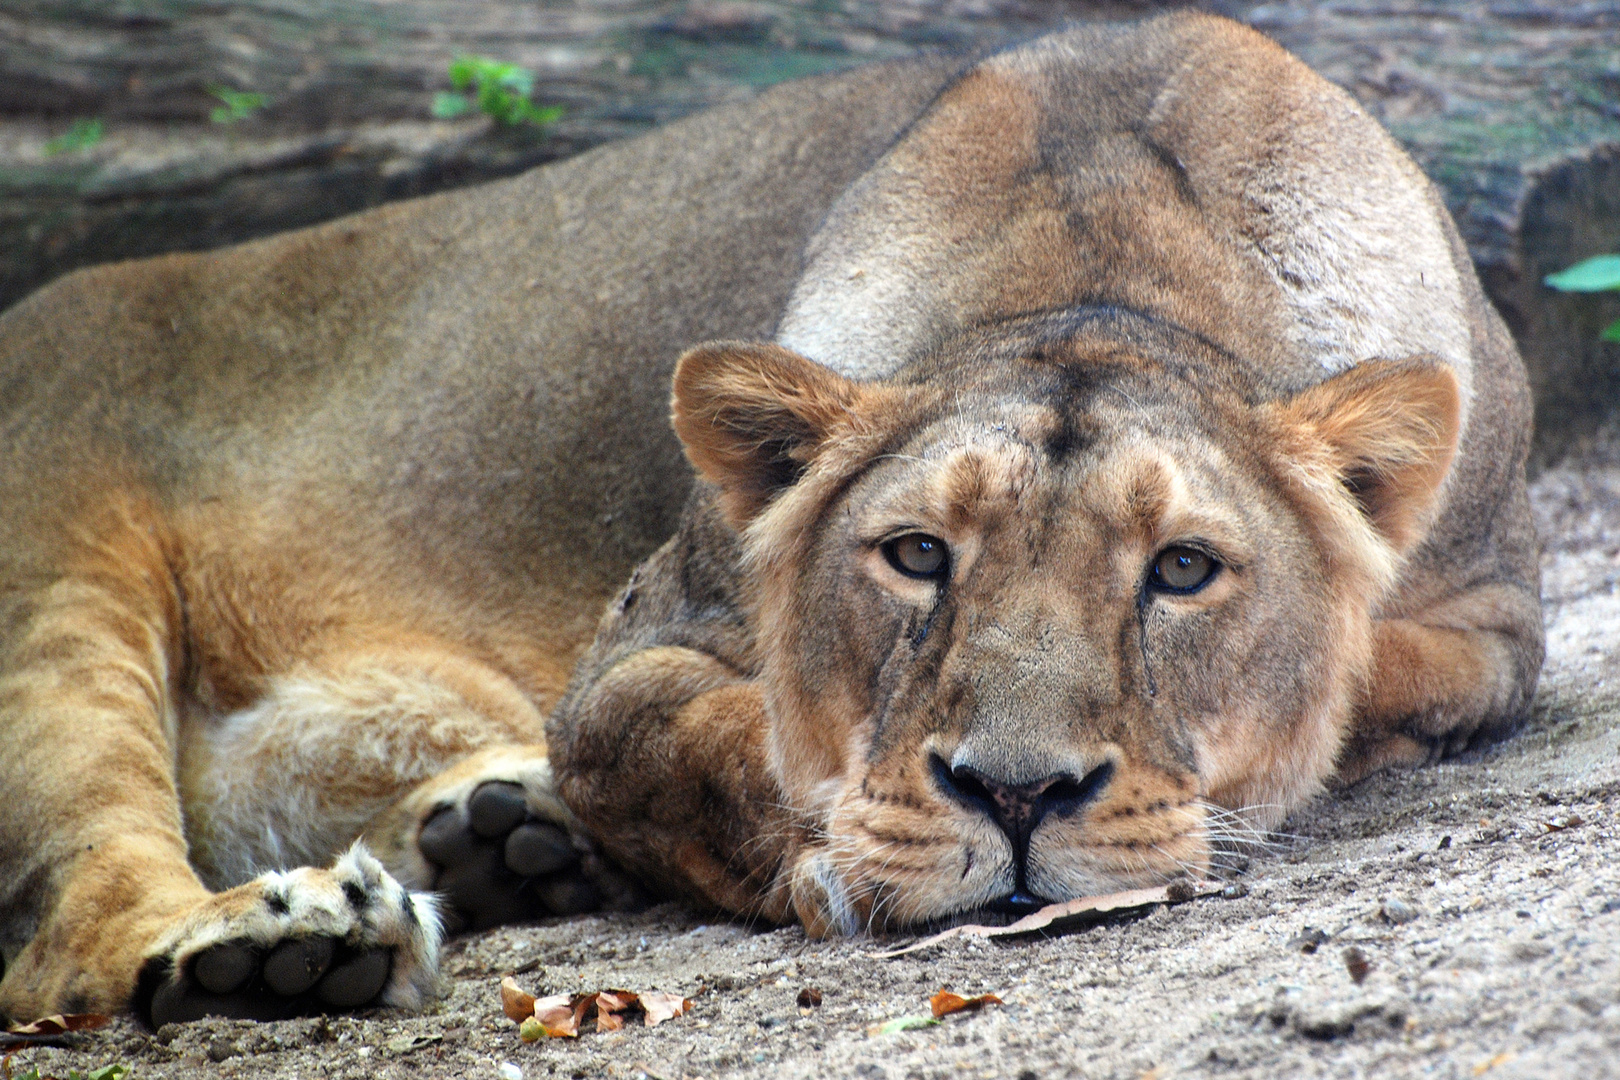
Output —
(301, 540)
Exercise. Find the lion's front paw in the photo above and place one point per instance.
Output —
(295, 942)
(498, 861)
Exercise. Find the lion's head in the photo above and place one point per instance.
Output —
(1058, 605)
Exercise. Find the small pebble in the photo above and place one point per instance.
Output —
(1234, 891)
(1398, 911)
(1357, 964)
(509, 1071)
(1309, 940)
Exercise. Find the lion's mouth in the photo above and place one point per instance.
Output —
(1018, 903)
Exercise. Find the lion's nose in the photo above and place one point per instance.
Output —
(1018, 809)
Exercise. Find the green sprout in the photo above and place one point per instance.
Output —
(499, 90)
(238, 105)
(81, 136)
(1600, 273)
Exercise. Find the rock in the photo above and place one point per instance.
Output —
(1335, 1018)
(1398, 912)
(222, 1049)
(1511, 108)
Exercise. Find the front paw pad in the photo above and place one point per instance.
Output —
(499, 863)
(295, 943)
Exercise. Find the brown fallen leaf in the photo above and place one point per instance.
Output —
(660, 1007)
(560, 1015)
(515, 1003)
(1064, 916)
(58, 1024)
(944, 1003)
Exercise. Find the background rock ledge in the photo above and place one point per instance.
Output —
(1513, 107)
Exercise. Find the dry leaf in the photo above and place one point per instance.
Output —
(902, 1023)
(517, 1005)
(1070, 913)
(1500, 1059)
(944, 1003)
(558, 1015)
(59, 1024)
(616, 1001)
(661, 1007)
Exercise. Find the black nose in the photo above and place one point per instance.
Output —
(1019, 809)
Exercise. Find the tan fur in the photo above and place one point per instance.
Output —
(302, 539)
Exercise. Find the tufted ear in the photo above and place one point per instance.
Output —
(1387, 430)
(752, 417)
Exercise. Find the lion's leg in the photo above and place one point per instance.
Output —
(92, 855)
(1461, 669)
(663, 758)
(100, 904)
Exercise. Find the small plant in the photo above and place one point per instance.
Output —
(499, 90)
(1600, 273)
(237, 105)
(81, 136)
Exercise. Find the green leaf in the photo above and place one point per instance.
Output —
(106, 1072)
(1611, 332)
(81, 136)
(238, 104)
(906, 1023)
(501, 91)
(448, 106)
(1597, 274)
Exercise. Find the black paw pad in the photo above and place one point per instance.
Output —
(499, 864)
(237, 980)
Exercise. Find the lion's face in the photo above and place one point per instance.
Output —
(1039, 623)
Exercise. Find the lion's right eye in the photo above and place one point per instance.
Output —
(1183, 570)
(918, 555)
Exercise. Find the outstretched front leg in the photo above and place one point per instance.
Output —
(96, 891)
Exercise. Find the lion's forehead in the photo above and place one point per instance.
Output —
(1130, 481)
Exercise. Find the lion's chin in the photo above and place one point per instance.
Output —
(830, 904)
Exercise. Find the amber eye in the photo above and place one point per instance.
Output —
(1183, 570)
(918, 555)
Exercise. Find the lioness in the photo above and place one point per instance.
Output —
(1135, 449)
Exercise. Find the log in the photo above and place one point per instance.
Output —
(1512, 106)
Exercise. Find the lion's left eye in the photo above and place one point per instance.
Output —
(1183, 570)
(918, 555)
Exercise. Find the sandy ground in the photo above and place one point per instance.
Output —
(1507, 861)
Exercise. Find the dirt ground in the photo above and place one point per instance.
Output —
(1507, 861)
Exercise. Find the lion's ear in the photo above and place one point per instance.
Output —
(752, 417)
(1387, 431)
